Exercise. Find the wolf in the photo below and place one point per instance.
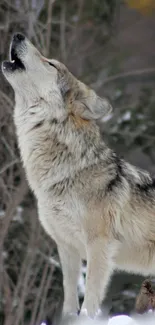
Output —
(95, 205)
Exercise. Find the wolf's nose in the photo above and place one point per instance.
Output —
(18, 37)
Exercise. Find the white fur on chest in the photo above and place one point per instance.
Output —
(62, 220)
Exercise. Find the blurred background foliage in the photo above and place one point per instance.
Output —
(108, 44)
(144, 6)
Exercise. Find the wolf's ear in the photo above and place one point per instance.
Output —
(94, 107)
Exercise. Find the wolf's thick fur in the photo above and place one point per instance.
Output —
(93, 204)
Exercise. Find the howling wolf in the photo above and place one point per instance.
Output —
(93, 204)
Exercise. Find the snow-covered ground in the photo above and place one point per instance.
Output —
(147, 319)
(81, 282)
(125, 320)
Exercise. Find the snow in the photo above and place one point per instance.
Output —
(81, 286)
(125, 117)
(129, 293)
(121, 320)
(81, 282)
(107, 117)
(54, 262)
(146, 319)
(17, 215)
(4, 254)
(2, 214)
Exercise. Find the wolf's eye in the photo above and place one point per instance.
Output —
(52, 64)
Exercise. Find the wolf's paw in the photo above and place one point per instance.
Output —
(97, 315)
(84, 312)
(68, 318)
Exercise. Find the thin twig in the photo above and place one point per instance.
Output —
(46, 287)
(26, 276)
(6, 98)
(50, 260)
(16, 200)
(11, 163)
(62, 32)
(128, 74)
(39, 295)
(49, 27)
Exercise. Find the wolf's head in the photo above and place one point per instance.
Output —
(37, 80)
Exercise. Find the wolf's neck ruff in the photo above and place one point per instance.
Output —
(65, 143)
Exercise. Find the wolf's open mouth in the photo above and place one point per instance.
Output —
(15, 61)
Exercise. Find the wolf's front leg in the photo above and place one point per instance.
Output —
(99, 269)
(70, 261)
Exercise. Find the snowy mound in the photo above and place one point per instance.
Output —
(125, 320)
(146, 319)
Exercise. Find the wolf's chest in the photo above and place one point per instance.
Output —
(62, 222)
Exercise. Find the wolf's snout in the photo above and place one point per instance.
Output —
(18, 37)
(16, 43)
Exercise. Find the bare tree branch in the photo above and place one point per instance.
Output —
(49, 27)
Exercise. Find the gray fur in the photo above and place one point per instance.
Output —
(93, 204)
